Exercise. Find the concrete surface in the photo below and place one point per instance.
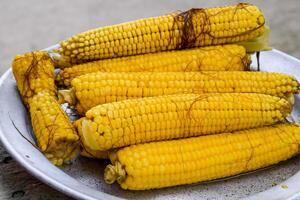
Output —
(33, 24)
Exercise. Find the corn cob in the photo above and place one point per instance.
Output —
(213, 58)
(193, 28)
(134, 121)
(55, 135)
(85, 150)
(186, 161)
(34, 73)
(97, 88)
(89, 153)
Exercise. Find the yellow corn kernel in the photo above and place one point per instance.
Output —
(178, 116)
(185, 161)
(89, 153)
(34, 73)
(193, 28)
(55, 134)
(213, 58)
(85, 150)
(96, 88)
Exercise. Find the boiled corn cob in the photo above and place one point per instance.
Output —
(134, 121)
(55, 134)
(85, 150)
(97, 88)
(213, 58)
(186, 161)
(193, 28)
(34, 72)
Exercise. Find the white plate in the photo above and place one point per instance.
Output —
(84, 178)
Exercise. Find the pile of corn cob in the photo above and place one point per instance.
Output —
(170, 100)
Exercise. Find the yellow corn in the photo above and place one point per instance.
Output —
(186, 161)
(134, 121)
(85, 150)
(34, 72)
(55, 134)
(193, 28)
(213, 58)
(97, 88)
(89, 153)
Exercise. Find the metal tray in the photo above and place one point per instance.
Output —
(84, 178)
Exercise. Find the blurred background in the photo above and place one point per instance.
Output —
(34, 24)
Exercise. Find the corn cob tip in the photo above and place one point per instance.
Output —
(114, 173)
(85, 151)
(89, 138)
(34, 73)
(260, 43)
(55, 134)
(67, 96)
(60, 61)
